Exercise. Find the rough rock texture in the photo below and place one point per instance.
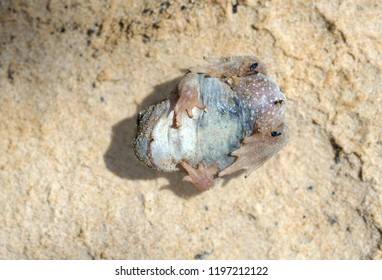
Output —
(74, 74)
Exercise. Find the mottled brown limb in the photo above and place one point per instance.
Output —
(202, 178)
(257, 149)
(188, 92)
(227, 67)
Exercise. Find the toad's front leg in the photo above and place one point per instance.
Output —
(188, 91)
(202, 178)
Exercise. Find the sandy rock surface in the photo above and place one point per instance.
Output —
(74, 75)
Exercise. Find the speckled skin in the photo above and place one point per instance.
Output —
(223, 117)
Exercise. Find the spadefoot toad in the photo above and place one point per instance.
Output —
(222, 117)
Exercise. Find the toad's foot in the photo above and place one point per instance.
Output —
(202, 178)
(228, 67)
(188, 91)
(257, 149)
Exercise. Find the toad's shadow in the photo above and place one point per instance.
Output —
(120, 159)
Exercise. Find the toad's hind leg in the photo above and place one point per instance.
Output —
(257, 149)
(188, 91)
(202, 178)
(227, 67)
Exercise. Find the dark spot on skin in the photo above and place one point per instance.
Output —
(234, 7)
(275, 133)
(253, 66)
(303, 216)
(62, 30)
(310, 188)
(279, 102)
(102, 99)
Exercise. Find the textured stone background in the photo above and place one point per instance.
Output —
(74, 74)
